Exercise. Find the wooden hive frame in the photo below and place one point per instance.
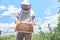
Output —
(24, 27)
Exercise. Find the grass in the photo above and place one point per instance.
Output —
(42, 36)
(34, 37)
(12, 37)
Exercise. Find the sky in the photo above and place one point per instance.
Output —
(45, 12)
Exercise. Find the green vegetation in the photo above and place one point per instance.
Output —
(12, 37)
(53, 35)
(41, 36)
(58, 0)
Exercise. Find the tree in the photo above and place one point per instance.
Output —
(49, 28)
(0, 32)
(58, 0)
(40, 30)
(58, 24)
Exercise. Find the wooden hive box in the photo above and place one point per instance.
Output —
(24, 27)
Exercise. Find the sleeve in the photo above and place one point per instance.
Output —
(33, 17)
(17, 18)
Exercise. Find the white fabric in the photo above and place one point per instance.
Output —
(25, 17)
(25, 2)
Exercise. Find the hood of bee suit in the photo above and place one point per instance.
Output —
(26, 2)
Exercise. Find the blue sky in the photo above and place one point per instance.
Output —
(45, 11)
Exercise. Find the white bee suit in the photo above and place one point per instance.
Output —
(24, 17)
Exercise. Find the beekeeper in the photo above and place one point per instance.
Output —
(25, 15)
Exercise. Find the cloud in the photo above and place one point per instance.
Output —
(2, 7)
(52, 20)
(51, 10)
(11, 9)
(48, 11)
(7, 26)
